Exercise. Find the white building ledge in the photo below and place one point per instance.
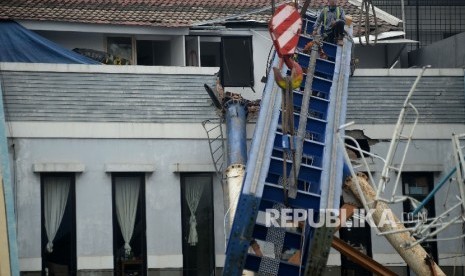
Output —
(108, 69)
(182, 167)
(58, 167)
(128, 167)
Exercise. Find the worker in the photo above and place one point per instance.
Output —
(332, 18)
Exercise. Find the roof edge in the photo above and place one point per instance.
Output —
(68, 26)
(109, 69)
(410, 72)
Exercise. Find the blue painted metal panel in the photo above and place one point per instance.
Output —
(324, 68)
(308, 186)
(310, 148)
(320, 86)
(315, 127)
(241, 232)
(274, 194)
(317, 104)
(329, 48)
(306, 173)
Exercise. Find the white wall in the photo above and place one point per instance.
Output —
(261, 42)
(93, 196)
(71, 40)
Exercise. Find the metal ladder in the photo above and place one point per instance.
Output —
(262, 187)
(214, 130)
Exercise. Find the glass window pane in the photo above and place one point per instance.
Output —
(120, 47)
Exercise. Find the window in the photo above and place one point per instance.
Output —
(418, 185)
(358, 234)
(120, 47)
(210, 56)
(237, 62)
(198, 245)
(153, 52)
(129, 224)
(58, 223)
(232, 54)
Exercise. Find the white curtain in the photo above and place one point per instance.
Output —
(56, 190)
(193, 193)
(126, 198)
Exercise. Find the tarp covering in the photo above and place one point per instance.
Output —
(18, 44)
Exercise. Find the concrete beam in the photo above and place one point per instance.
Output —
(58, 167)
(128, 167)
(108, 69)
(183, 167)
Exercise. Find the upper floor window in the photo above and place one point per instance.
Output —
(237, 61)
(121, 47)
(233, 54)
(153, 52)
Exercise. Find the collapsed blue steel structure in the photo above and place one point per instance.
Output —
(321, 170)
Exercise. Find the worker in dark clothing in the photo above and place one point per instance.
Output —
(332, 18)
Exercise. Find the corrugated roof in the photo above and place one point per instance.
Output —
(379, 99)
(89, 93)
(163, 13)
(105, 97)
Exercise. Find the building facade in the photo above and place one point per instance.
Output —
(100, 128)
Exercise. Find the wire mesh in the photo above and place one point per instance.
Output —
(427, 21)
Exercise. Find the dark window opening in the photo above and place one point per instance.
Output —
(60, 258)
(363, 143)
(237, 62)
(358, 234)
(197, 216)
(192, 50)
(153, 52)
(210, 54)
(418, 185)
(133, 261)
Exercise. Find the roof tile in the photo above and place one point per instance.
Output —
(164, 13)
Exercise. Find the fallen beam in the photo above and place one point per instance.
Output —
(353, 254)
(361, 259)
(414, 256)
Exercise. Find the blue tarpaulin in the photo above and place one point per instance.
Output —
(18, 44)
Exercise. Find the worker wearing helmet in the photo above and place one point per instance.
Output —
(332, 18)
